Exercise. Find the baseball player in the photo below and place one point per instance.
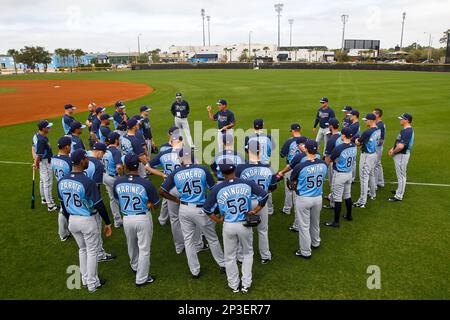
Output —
(61, 166)
(120, 118)
(288, 151)
(368, 160)
(180, 111)
(333, 141)
(401, 153)
(346, 120)
(379, 176)
(225, 121)
(324, 114)
(233, 199)
(76, 129)
(91, 108)
(95, 128)
(112, 161)
(308, 177)
(140, 133)
(81, 200)
(356, 131)
(228, 156)
(67, 118)
(192, 181)
(342, 158)
(262, 174)
(94, 171)
(130, 143)
(137, 196)
(42, 153)
(104, 130)
(146, 130)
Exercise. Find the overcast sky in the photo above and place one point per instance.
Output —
(113, 25)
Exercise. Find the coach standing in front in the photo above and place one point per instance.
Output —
(401, 153)
(120, 118)
(67, 119)
(225, 121)
(146, 129)
(324, 114)
(180, 111)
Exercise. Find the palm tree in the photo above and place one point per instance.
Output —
(14, 54)
(78, 54)
(226, 53)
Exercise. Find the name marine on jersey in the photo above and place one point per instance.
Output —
(127, 188)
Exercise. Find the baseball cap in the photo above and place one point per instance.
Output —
(178, 95)
(113, 136)
(78, 155)
(173, 129)
(100, 146)
(76, 125)
(222, 102)
(258, 123)
(69, 106)
(333, 122)
(64, 142)
(347, 132)
(406, 116)
(347, 108)
(227, 168)
(132, 161)
(100, 109)
(105, 116)
(137, 117)
(145, 108)
(354, 113)
(302, 140)
(120, 105)
(228, 138)
(311, 145)
(132, 123)
(324, 99)
(44, 124)
(295, 127)
(370, 116)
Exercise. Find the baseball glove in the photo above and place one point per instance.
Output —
(252, 221)
(292, 185)
(155, 150)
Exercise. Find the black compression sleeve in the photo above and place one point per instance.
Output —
(102, 211)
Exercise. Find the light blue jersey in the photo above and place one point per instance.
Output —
(345, 154)
(111, 159)
(310, 176)
(226, 156)
(168, 160)
(61, 165)
(261, 174)
(264, 143)
(370, 140)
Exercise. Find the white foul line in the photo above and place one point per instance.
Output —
(15, 162)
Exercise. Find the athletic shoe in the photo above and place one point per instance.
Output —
(394, 199)
(118, 225)
(359, 205)
(348, 218)
(222, 270)
(270, 213)
(181, 251)
(327, 206)
(65, 238)
(53, 208)
(101, 285)
(327, 198)
(298, 253)
(332, 224)
(245, 289)
(236, 290)
(196, 276)
(239, 262)
(107, 257)
(282, 211)
(394, 191)
(265, 261)
(293, 229)
(149, 280)
(43, 201)
(380, 186)
(373, 198)
(204, 248)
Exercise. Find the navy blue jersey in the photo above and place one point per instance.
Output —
(266, 145)
(191, 181)
(180, 109)
(77, 143)
(369, 140)
(133, 194)
(405, 137)
(168, 160)
(140, 137)
(233, 198)
(130, 144)
(290, 149)
(345, 154)
(300, 158)
(261, 174)
(90, 118)
(119, 122)
(224, 118)
(146, 129)
(164, 147)
(96, 126)
(346, 122)
(323, 116)
(79, 194)
(95, 170)
(66, 122)
(41, 146)
(382, 127)
(310, 176)
(111, 159)
(332, 143)
(61, 165)
(356, 130)
(103, 133)
(226, 157)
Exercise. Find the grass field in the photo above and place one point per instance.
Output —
(4, 90)
(409, 241)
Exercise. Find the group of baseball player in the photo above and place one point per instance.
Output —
(231, 190)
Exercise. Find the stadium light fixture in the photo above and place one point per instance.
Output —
(291, 22)
(429, 46)
(208, 18)
(278, 9)
(344, 19)
(403, 29)
(203, 13)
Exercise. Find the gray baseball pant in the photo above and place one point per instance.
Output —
(342, 185)
(379, 175)
(330, 174)
(183, 124)
(322, 134)
(148, 143)
(163, 213)
(288, 194)
(101, 251)
(46, 179)
(269, 204)
(367, 165)
(139, 232)
(63, 226)
(193, 219)
(141, 170)
(85, 233)
(220, 135)
(401, 164)
(108, 181)
(234, 235)
(308, 212)
(354, 169)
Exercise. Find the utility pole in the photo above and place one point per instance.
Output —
(429, 46)
(278, 9)
(139, 48)
(291, 22)
(344, 19)
(403, 29)
(249, 45)
(203, 21)
(208, 18)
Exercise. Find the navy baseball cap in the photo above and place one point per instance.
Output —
(132, 123)
(145, 108)
(258, 124)
(347, 132)
(132, 161)
(173, 129)
(105, 116)
(311, 145)
(44, 124)
(324, 99)
(347, 108)
(78, 155)
(370, 116)
(354, 113)
(99, 146)
(333, 122)
(302, 140)
(76, 125)
(295, 127)
(69, 106)
(137, 117)
(64, 142)
(406, 116)
(227, 168)
(178, 95)
(100, 109)
(113, 136)
(120, 105)
(222, 102)
(228, 138)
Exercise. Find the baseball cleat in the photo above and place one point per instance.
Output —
(380, 186)
(53, 208)
(282, 211)
(204, 248)
(394, 199)
(293, 229)
(332, 224)
(346, 217)
(245, 289)
(359, 205)
(265, 261)
(394, 191)
(43, 201)
(327, 198)
(101, 285)
(222, 270)
(298, 253)
(65, 238)
(236, 290)
(118, 225)
(149, 280)
(196, 276)
(327, 206)
(373, 198)
(180, 251)
(107, 257)
(315, 247)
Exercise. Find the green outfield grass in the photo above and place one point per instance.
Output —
(4, 90)
(409, 241)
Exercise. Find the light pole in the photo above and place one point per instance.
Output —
(208, 18)
(344, 19)
(249, 45)
(139, 47)
(278, 9)
(291, 22)
(203, 20)
(429, 46)
(403, 29)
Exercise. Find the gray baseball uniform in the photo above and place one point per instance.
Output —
(401, 159)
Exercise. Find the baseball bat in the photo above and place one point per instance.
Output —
(32, 190)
